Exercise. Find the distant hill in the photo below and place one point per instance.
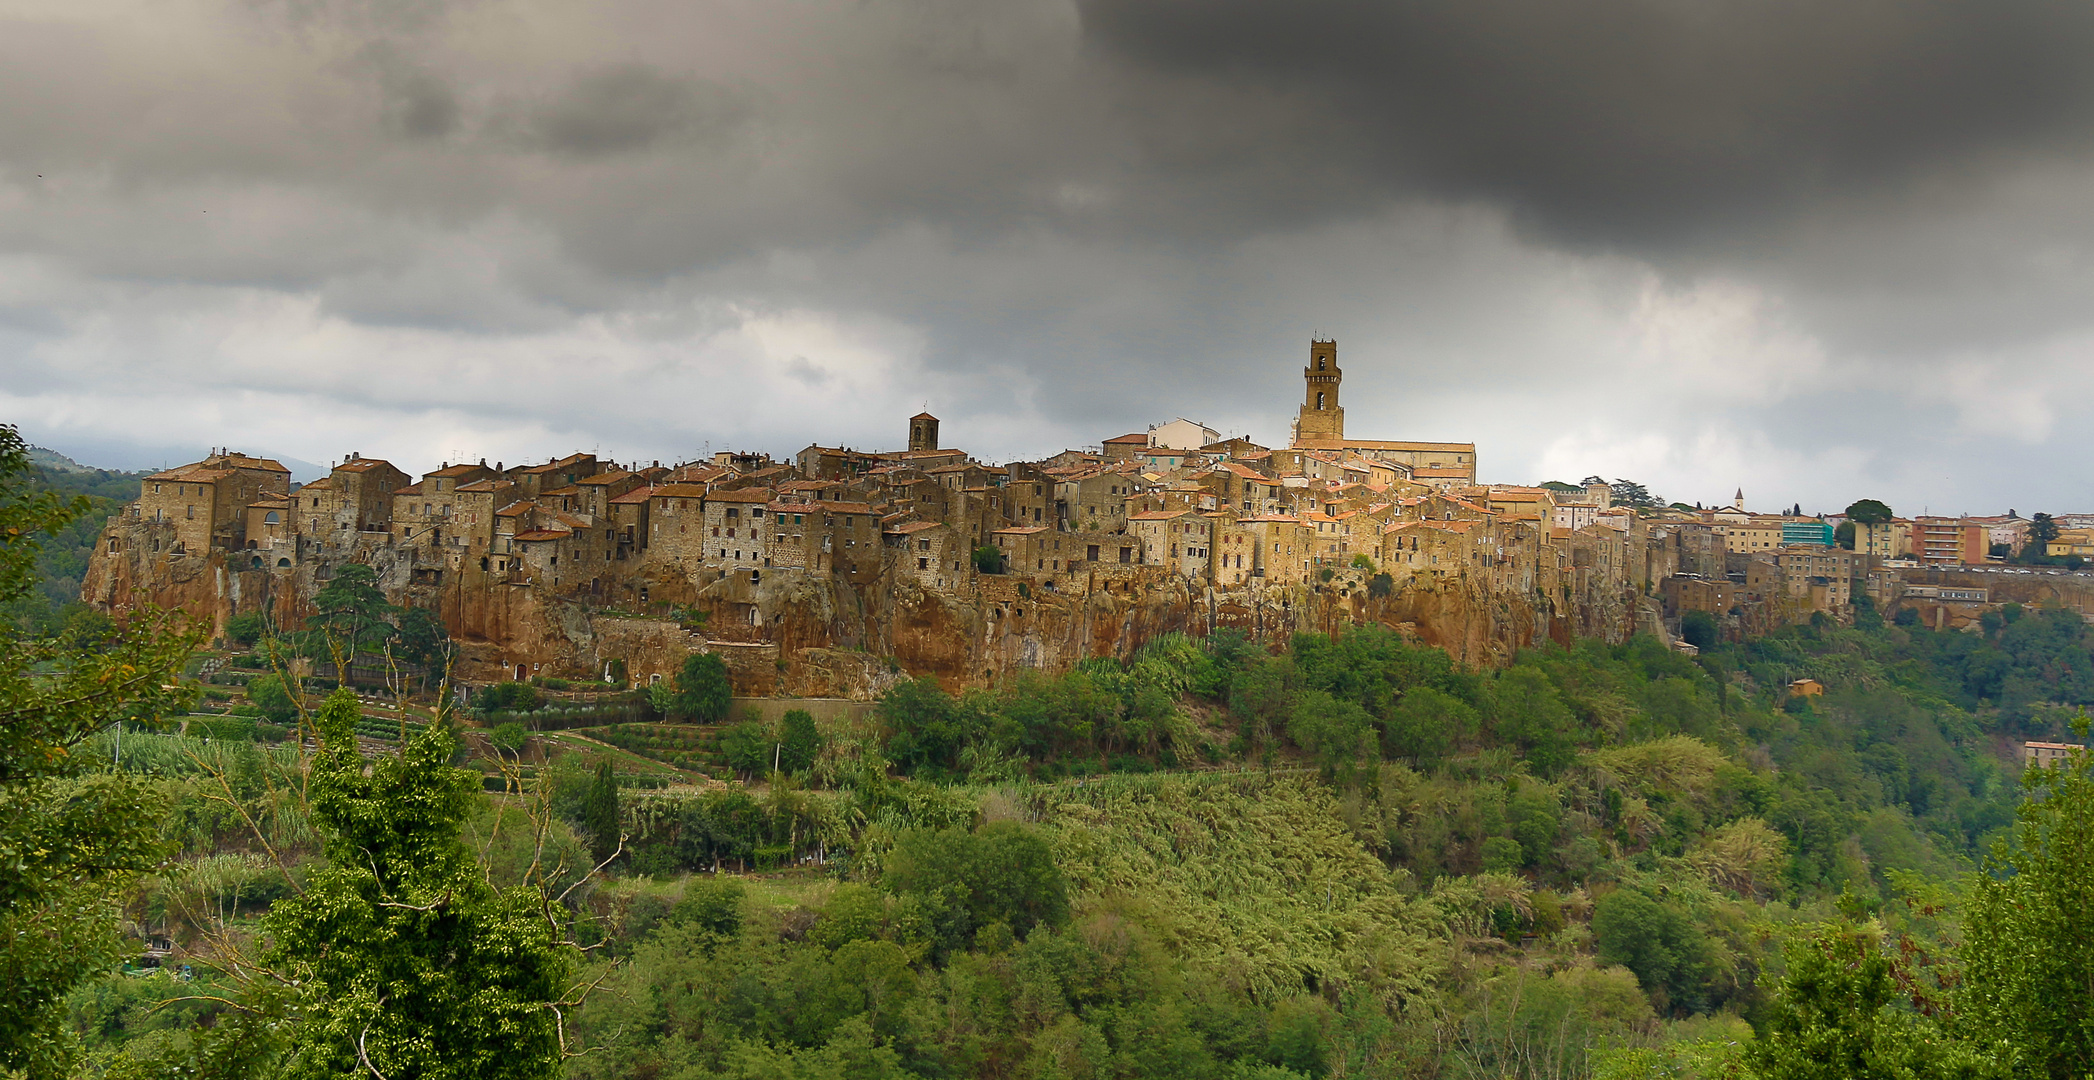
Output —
(53, 461)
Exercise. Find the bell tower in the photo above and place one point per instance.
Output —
(923, 432)
(1322, 420)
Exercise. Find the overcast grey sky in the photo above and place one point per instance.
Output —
(1819, 251)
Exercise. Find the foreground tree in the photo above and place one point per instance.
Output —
(406, 962)
(2028, 953)
(66, 835)
(1838, 1015)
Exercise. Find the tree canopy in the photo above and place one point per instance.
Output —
(66, 835)
(1868, 512)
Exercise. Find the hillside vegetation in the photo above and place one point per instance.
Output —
(1345, 857)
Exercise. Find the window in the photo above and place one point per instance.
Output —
(1319, 399)
(270, 518)
(923, 564)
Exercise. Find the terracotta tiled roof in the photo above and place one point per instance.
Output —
(1021, 530)
(612, 477)
(635, 496)
(363, 465)
(740, 495)
(550, 466)
(192, 474)
(679, 491)
(911, 527)
(923, 416)
(411, 489)
(1131, 437)
(1158, 515)
(542, 534)
(456, 470)
(484, 485)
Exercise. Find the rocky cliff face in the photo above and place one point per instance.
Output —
(789, 632)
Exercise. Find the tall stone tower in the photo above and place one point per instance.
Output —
(1322, 420)
(923, 432)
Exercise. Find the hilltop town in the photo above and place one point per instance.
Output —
(840, 570)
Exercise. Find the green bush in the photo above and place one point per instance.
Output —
(246, 629)
(272, 697)
(508, 697)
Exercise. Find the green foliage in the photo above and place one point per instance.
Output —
(1362, 562)
(68, 838)
(1426, 725)
(988, 559)
(508, 697)
(748, 747)
(798, 740)
(1656, 941)
(1868, 512)
(1001, 873)
(269, 694)
(1698, 628)
(510, 738)
(402, 953)
(1380, 585)
(600, 813)
(246, 629)
(703, 692)
(2028, 950)
(712, 904)
(1837, 1016)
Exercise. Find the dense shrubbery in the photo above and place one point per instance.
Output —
(1338, 899)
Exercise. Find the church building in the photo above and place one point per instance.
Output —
(1321, 426)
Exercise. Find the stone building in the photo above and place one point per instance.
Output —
(1320, 425)
(204, 504)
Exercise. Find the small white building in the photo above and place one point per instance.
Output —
(1182, 434)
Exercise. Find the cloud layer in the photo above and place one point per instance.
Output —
(1818, 253)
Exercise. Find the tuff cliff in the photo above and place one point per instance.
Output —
(799, 633)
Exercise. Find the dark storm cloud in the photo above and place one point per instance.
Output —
(1617, 121)
(628, 108)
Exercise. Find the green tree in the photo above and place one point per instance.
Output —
(600, 812)
(798, 740)
(2028, 952)
(510, 738)
(988, 559)
(353, 616)
(405, 960)
(1632, 494)
(67, 836)
(703, 691)
(246, 629)
(1002, 873)
(1698, 628)
(272, 695)
(1868, 512)
(1656, 941)
(925, 726)
(1427, 725)
(748, 748)
(1837, 1015)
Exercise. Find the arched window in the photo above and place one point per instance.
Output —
(271, 518)
(258, 562)
(283, 563)
(1319, 363)
(1319, 399)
